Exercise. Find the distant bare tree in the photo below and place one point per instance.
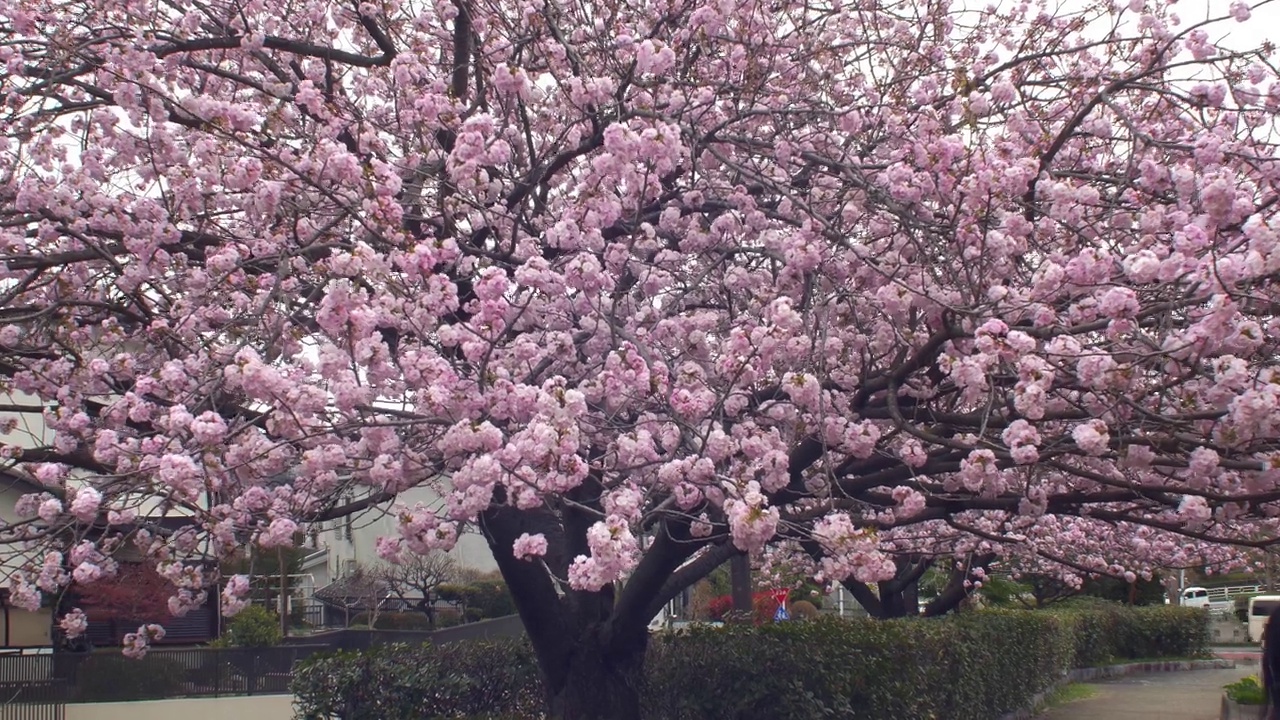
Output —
(362, 589)
(414, 581)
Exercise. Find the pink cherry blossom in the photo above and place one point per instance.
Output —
(136, 644)
(74, 623)
(86, 503)
(49, 510)
(280, 533)
(235, 595)
(529, 546)
(1092, 437)
(24, 595)
(624, 293)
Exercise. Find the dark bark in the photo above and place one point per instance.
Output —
(426, 607)
(899, 600)
(955, 591)
(599, 678)
(898, 597)
(590, 645)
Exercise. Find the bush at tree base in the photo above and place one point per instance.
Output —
(254, 626)
(975, 666)
(763, 607)
(409, 620)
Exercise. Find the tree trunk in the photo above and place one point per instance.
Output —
(596, 684)
(956, 591)
(893, 601)
(427, 608)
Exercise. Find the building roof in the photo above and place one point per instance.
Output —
(360, 588)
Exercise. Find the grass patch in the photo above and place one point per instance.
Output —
(1068, 693)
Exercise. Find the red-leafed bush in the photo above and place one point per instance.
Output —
(135, 593)
(763, 604)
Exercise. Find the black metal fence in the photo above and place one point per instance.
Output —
(45, 710)
(34, 687)
(110, 676)
(29, 690)
(38, 700)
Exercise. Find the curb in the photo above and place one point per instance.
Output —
(1244, 657)
(1112, 671)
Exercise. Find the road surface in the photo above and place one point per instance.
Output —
(1190, 695)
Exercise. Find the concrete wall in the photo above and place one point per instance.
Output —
(28, 629)
(258, 707)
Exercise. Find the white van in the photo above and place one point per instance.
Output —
(1260, 607)
(1195, 597)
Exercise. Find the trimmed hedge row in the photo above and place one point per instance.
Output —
(1102, 634)
(972, 666)
(491, 679)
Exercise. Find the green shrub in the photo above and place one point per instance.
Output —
(803, 610)
(410, 682)
(1163, 630)
(254, 626)
(394, 621)
(977, 667)
(448, 617)
(1105, 633)
(479, 600)
(113, 677)
(968, 667)
(1246, 691)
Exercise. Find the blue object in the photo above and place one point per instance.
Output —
(781, 614)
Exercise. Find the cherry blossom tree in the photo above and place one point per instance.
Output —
(636, 287)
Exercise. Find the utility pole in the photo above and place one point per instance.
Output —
(740, 586)
(284, 593)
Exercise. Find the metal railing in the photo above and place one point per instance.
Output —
(1222, 594)
(111, 677)
(29, 683)
(32, 700)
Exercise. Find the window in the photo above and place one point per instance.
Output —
(344, 524)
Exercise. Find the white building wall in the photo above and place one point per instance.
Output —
(28, 431)
(20, 628)
(352, 541)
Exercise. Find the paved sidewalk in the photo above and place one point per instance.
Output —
(1191, 695)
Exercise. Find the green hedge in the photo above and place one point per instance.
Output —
(110, 677)
(492, 679)
(1104, 633)
(977, 666)
(971, 666)
(395, 621)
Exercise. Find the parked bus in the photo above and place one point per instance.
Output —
(1260, 607)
